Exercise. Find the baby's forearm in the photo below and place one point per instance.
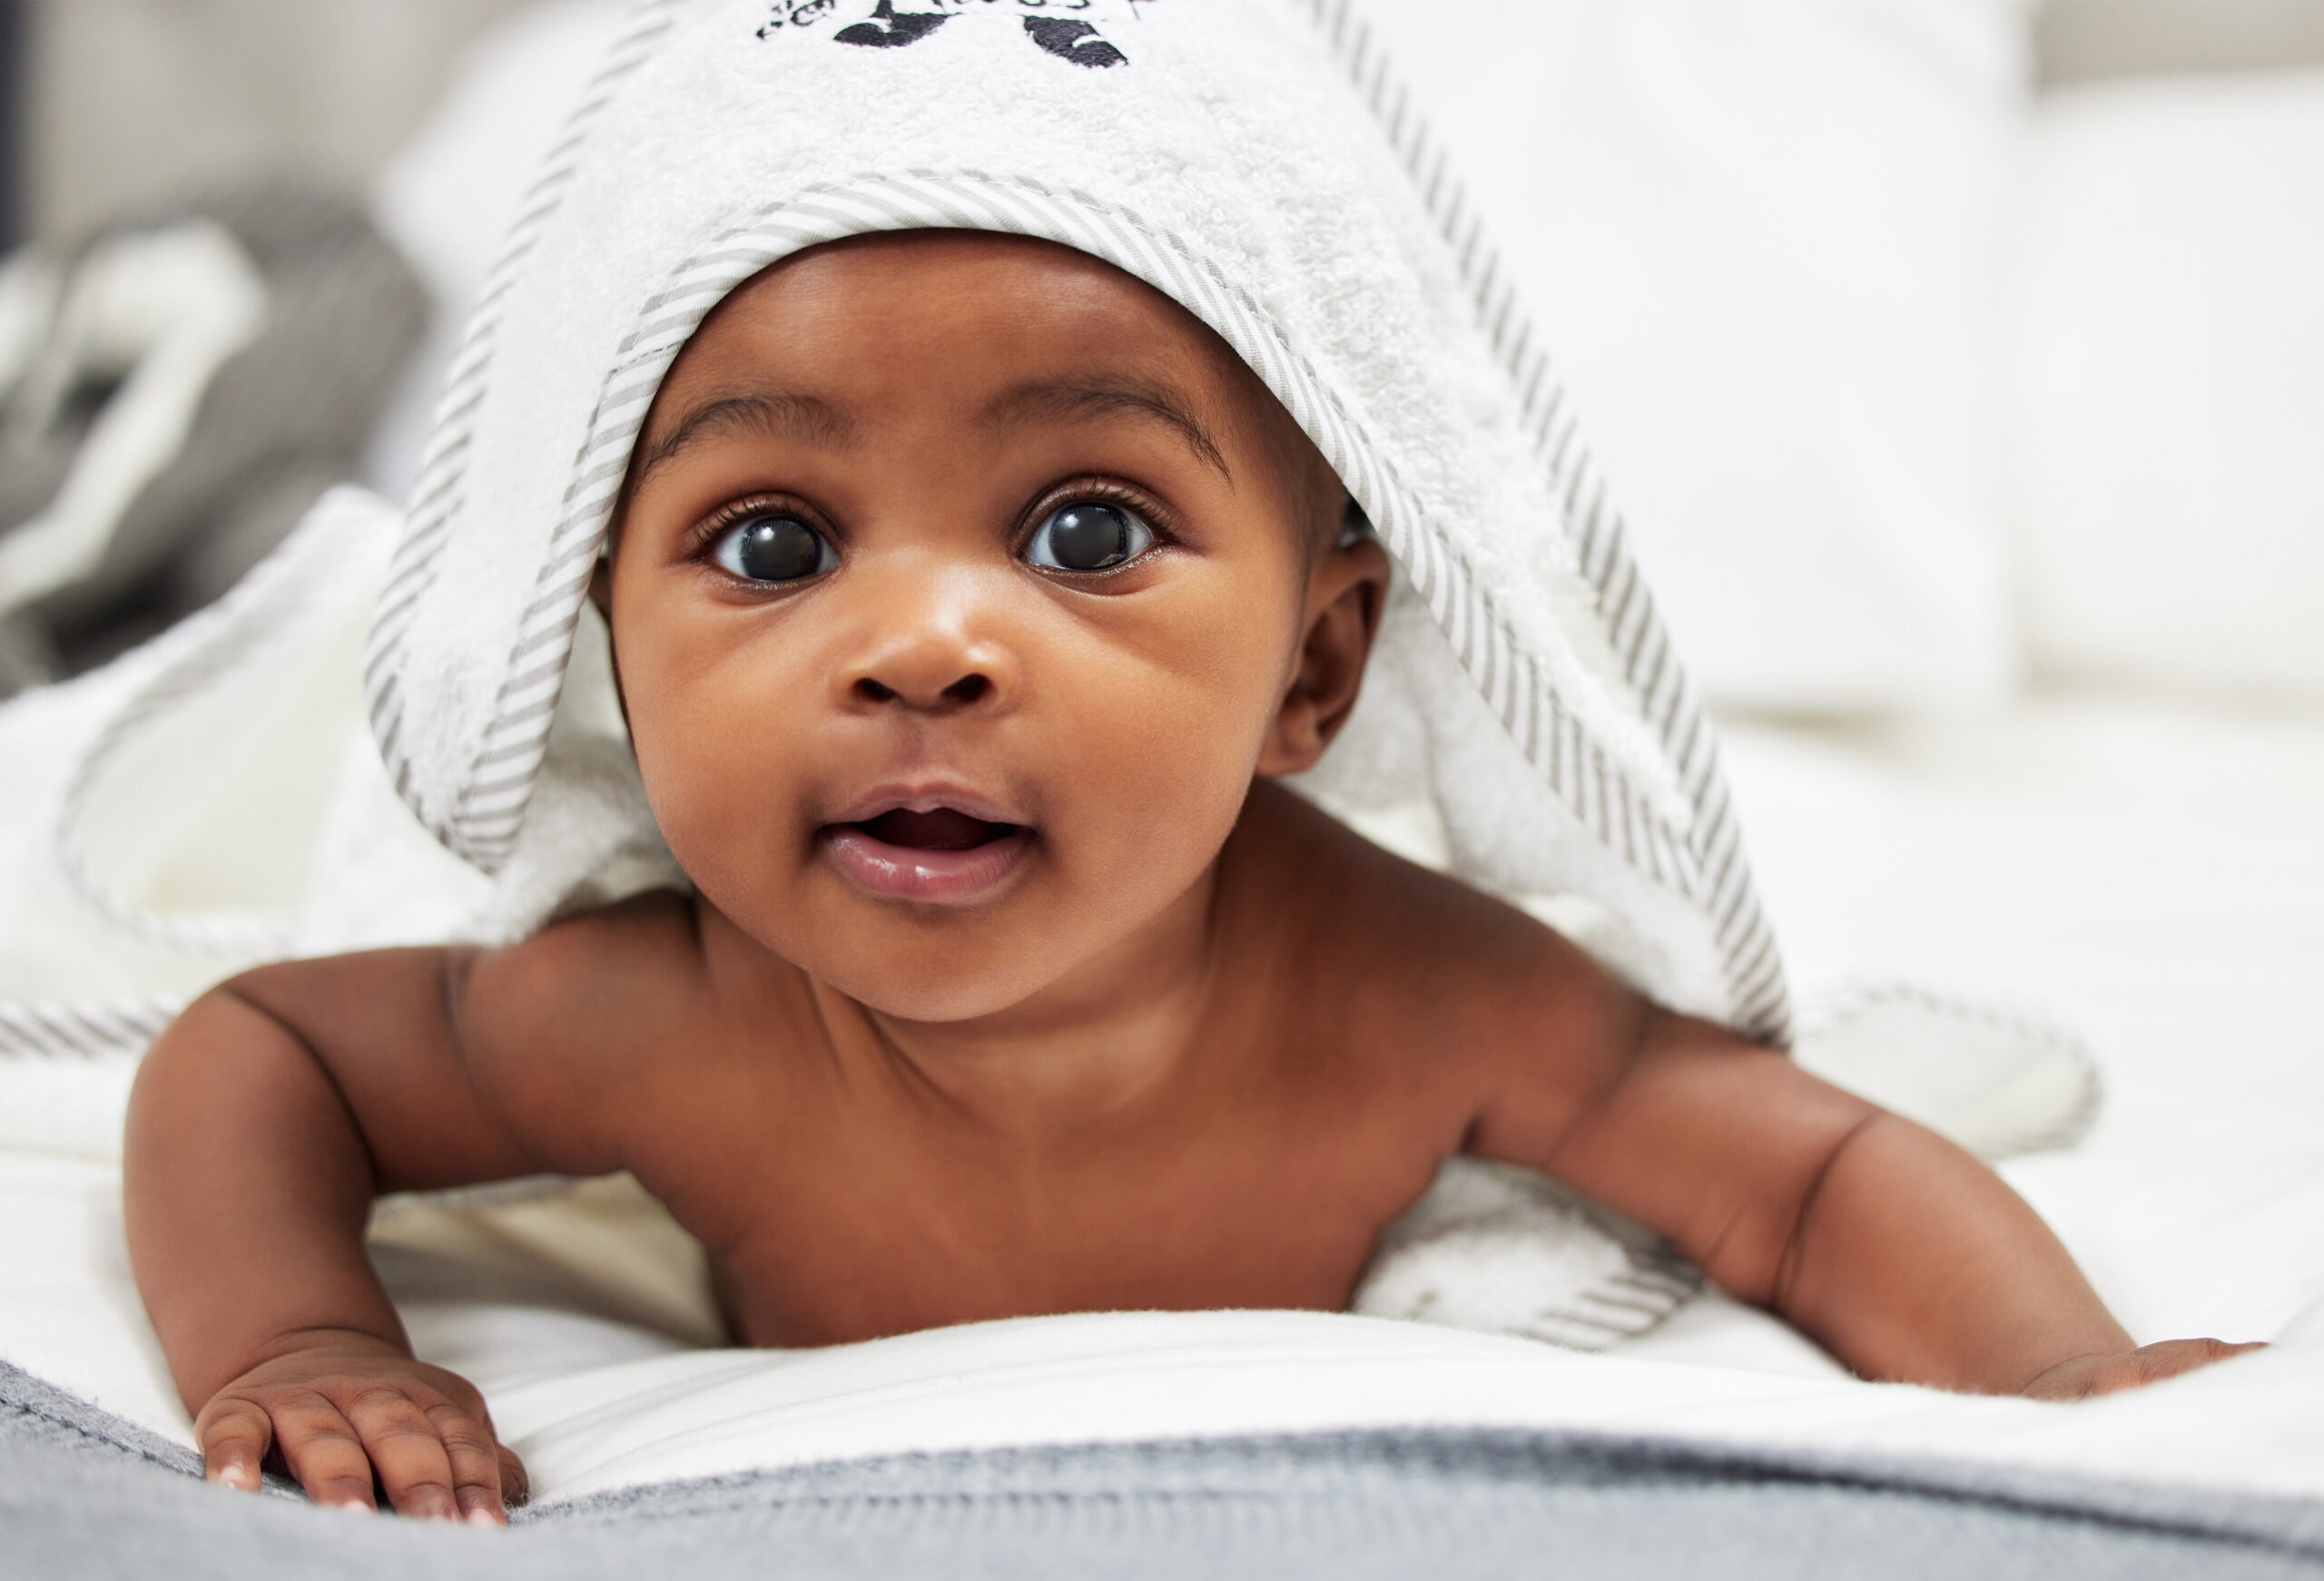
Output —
(247, 1185)
(1912, 1260)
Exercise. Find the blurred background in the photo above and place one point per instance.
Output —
(116, 106)
(1957, 360)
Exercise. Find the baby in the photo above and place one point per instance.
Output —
(967, 597)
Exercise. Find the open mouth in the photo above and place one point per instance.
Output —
(943, 828)
(936, 856)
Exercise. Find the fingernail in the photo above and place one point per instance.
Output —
(484, 1517)
(355, 1506)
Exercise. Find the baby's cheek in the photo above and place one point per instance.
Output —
(716, 786)
(1158, 770)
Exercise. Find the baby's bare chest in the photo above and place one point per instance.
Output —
(835, 1222)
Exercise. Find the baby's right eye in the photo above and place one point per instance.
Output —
(773, 548)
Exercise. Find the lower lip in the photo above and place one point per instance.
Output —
(895, 872)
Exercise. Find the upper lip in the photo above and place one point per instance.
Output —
(925, 797)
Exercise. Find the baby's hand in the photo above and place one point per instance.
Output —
(351, 1405)
(2085, 1376)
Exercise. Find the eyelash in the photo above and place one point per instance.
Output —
(706, 533)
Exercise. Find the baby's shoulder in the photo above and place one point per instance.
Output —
(630, 942)
(1413, 965)
(597, 983)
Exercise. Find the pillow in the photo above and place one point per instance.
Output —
(1761, 239)
(2166, 379)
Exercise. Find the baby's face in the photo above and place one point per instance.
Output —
(959, 588)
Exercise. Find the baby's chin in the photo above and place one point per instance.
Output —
(933, 981)
(911, 962)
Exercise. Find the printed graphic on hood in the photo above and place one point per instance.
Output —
(1068, 37)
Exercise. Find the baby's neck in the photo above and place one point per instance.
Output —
(1116, 1034)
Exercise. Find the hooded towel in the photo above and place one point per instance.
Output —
(1253, 160)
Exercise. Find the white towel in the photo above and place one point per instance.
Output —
(1251, 159)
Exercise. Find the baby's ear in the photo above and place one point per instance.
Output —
(1346, 593)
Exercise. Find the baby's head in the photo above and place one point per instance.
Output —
(962, 585)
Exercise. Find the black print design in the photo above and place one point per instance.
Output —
(1073, 41)
(785, 14)
(1069, 38)
(889, 30)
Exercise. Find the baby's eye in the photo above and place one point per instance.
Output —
(774, 549)
(1089, 537)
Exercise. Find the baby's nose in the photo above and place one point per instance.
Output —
(933, 655)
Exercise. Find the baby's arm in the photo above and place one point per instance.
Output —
(261, 1127)
(1899, 1252)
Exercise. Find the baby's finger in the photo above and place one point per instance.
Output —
(516, 1482)
(2170, 1358)
(323, 1452)
(476, 1464)
(415, 1468)
(234, 1435)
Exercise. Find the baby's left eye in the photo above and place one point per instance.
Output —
(1089, 537)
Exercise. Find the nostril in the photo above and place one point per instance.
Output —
(965, 692)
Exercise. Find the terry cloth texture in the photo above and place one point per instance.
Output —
(84, 1495)
(1254, 160)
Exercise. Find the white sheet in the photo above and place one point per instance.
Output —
(2179, 934)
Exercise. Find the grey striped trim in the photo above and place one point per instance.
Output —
(1622, 1308)
(1496, 655)
(438, 494)
(87, 1029)
(1747, 945)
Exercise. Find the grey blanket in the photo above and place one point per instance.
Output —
(83, 1494)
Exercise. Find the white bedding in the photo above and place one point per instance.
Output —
(2177, 929)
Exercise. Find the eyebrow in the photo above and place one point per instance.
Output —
(776, 413)
(1154, 402)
